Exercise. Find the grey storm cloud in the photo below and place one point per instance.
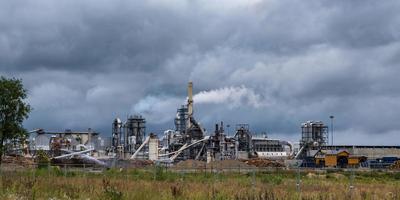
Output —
(270, 63)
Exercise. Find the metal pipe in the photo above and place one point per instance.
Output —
(75, 153)
(300, 151)
(284, 142)
(199, 154)
(185, 147)
(140, 148)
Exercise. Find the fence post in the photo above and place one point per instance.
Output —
(126, 175)
(253, 183)
(154, 175)
(65, 170)
(33, 172)
(1, 177)
(351, 187)
(298, 179)
(84, 170)
(205, 170)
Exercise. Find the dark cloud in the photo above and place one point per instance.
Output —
(273, 64)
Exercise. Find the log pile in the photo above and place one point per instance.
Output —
(229, 164)
(264, 163)
(139, 163)
(395, 165)
(17, 162)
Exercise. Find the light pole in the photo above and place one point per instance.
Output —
(332, 117)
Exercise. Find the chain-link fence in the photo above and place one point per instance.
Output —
(254, 175)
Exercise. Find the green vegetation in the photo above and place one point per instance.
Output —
(13, 111)
(158, 183)
(43, 159)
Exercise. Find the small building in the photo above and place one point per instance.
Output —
(337, 158)
(355, 161)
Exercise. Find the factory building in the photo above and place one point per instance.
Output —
(58, 143)
(189, 140)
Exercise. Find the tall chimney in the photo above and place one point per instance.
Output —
(190, 104)
(190, 99)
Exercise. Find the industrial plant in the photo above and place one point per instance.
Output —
(188, 140)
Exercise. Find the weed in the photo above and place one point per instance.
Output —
(167, 185)
(272, 179)
(110, 191)
(176, 191)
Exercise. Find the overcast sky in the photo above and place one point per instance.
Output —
(272, 64)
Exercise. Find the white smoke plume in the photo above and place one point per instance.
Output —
(161, 109)
(230, 96)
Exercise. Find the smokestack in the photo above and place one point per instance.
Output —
(190, 99)
(190, 104)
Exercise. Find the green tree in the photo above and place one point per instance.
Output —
(13, 111)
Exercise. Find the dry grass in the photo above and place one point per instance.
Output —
(157, 184)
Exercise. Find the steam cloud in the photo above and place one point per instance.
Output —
(230, 96)
(161, 109)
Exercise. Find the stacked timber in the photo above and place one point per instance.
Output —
(17, 160)
(229, 165)
(395, 165)
(264, 163)
(139, 163)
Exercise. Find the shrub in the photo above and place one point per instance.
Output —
(43, 159)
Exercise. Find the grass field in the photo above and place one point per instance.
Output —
(156, 183)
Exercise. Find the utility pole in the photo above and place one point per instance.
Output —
(332, 117)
